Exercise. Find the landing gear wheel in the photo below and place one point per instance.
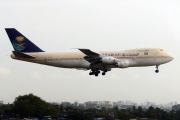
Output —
(157, 70)
(91, 73)
(96, 74)
(103, 73)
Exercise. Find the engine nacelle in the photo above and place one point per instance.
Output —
(108, 60)
(124, 64)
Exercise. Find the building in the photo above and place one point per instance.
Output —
(99, 104)
(176, 107)
(91, 104)
(65, 104)
(76, 103)
(107, 104)
(1, 103)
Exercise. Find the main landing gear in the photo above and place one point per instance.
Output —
(104, 72)
(96, 72)
(157, 70)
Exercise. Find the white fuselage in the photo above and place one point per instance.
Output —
(135, 58)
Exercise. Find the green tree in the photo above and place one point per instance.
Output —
(7, 110)
(33, 106)
(150, 112)
(116, 110)
(140, 113)
(125, 114)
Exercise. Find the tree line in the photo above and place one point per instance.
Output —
(31, 106)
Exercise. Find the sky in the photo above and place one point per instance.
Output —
(60, 25)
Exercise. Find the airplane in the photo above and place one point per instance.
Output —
(86, 59)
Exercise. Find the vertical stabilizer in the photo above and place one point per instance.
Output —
(20, 43)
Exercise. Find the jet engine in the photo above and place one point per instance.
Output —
(124, 64)
(108, 60)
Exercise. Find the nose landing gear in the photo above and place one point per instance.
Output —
(157, 70)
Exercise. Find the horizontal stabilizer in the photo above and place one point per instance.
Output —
(22, 55)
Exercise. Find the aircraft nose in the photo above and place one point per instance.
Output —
(171, 57)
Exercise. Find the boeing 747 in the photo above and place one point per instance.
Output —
(86, 59)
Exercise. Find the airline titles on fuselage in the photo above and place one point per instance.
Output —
(116, 55)
(123, 54)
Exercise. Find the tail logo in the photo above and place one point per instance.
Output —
(18, 43)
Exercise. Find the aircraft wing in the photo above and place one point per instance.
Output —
(89, 52)
(91, 57)
(97, 58)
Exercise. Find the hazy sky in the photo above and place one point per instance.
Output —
(60, 25)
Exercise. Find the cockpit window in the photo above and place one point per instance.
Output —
(161, 49)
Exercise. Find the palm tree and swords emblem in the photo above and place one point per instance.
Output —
(18, 43)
